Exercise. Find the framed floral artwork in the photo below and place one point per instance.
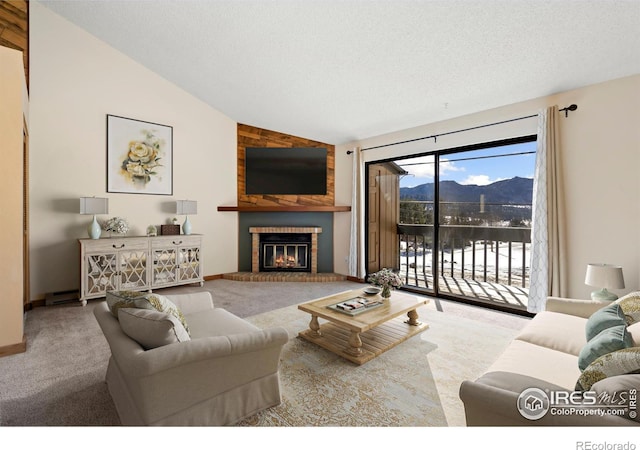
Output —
(139, 157)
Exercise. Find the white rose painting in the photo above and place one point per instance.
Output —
(139, 156)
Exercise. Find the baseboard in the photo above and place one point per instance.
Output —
(213, 277)
(355, 279)
(14, 349)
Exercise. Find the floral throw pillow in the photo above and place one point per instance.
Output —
(630, 305)
(144, 300)
(620, 362)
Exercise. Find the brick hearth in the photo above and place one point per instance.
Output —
(284, 276)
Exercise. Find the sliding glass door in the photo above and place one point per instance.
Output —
(456, 223)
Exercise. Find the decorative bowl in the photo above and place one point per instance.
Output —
(372, 290)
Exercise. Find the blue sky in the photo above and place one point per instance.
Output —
(459, 167)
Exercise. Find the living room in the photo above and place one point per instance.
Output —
(76, 80)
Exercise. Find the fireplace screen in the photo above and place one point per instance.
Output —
(285, 253)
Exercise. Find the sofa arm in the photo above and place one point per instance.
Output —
(574, 307)
(492, 400)
(144, 363)
(177, 376)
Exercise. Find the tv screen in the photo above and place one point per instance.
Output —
(286, 171)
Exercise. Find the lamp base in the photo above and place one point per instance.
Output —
(603, 295)
(186, 226)
(94, 229)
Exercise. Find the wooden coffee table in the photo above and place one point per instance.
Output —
(362, 337)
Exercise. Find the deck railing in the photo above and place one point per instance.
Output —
(480, 253)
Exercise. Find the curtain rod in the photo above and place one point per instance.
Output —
(566, 110)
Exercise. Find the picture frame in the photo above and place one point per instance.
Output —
(139, 156)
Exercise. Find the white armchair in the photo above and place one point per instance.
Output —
(226, 372)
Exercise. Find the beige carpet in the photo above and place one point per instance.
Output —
(60, 379)
(413, 384)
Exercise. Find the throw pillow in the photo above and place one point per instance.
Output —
(634, 332)
(126, 299)
(151, 328)
(630, 305)
(607, 341)
(604, 318)
(620, 362)
(144, 300)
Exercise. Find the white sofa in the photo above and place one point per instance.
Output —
(545, 355)
(227, 370)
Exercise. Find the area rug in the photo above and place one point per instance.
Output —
(414, 384)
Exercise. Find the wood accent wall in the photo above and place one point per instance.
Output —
(249, 136)
(14, 28)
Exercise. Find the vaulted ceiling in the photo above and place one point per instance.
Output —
(341, 70)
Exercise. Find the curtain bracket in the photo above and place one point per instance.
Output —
(569, 108)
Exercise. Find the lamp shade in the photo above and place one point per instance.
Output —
(94, 205)
(607, 276)
(186, 207)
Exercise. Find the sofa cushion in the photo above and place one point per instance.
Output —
(557, 331)
(151, 328)
(540, 362)
(607, 317)
(607, 341)
(630, 305)
(217, 322)
(144, 300)
(620, 362)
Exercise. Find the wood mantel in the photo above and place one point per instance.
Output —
(285, 208)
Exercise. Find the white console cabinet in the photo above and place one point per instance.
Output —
(138, 263)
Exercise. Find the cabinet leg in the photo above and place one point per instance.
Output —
(84, 302)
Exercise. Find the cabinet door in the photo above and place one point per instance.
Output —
(189, 263)
(133, 269)
(102, 273)
(164, 266)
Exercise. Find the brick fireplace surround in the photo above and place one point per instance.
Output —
(255, 243)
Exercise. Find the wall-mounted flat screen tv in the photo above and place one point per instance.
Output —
(286, 171)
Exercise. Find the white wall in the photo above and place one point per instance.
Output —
(601, 157)
(75, 81)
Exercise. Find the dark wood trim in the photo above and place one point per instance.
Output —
(284, 208)
(355, 279)
(213, 277)
(14, 349)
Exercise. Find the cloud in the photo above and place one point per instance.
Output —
(480, 180)
(423, 166)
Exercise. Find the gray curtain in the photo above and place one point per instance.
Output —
(356, 247)
(548, 254)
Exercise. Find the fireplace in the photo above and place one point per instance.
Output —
(284, 249)
(285, 252)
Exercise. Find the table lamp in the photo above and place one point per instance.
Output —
(186, 207)
(604, 276)
(94, 205)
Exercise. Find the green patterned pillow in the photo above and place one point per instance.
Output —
(144, 300)
(126, 299)
(621, 362)
(630, 305)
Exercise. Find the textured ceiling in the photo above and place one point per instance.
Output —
(340, 70)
